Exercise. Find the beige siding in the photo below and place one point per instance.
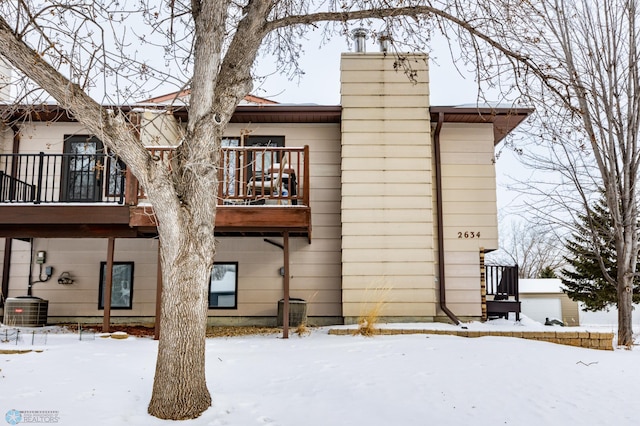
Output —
(387, 231)
(469, 210)
(47, 137)
(6, 139)
(81, 258)
(372, 199)
(315, 268)
(6, 74)
(159, 129)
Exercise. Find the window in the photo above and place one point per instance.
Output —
(223, 286)
(263, 161)
(121, 285)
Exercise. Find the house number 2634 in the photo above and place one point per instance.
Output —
(468, 234)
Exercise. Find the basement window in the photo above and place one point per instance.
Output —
(223, 286)
(121, 286)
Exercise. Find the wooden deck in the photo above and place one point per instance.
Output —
(257, 196)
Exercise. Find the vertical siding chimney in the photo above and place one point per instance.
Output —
(386, 182)
(359, 37)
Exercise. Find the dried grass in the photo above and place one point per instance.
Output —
(372, 311)
(302, 330)
(146, 331)
(14, 351)
(234, 331)
(368, 321)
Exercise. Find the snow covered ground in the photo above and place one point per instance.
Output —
(328, 380)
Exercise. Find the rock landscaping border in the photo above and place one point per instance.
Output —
(583, 339)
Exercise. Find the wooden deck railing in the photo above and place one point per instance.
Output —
(247, 176)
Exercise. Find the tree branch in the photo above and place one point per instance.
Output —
(415, 12)
(112, 128)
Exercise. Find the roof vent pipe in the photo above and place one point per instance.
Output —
(383, 40)
(359, 37)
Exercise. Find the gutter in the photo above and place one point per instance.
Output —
(440, 222)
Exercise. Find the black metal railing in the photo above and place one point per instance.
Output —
(503, 293)
(59, 178)
(502, 281)
(15, 189)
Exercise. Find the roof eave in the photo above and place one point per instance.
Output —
(243, 113)
(504, 119)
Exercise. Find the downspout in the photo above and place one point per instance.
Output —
(6, 266)
(440, 221)
(30, 285)
(15, 149)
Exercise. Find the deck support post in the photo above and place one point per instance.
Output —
(106, 321)
(285, 281)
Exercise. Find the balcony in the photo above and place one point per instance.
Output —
(261, 191)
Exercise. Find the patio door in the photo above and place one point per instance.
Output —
(82, 169)
(262, 161)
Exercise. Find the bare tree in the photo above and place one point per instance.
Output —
(577, 63)
(80, 51)
(535, 248)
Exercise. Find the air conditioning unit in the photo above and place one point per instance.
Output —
(297, 312)
(25, 311)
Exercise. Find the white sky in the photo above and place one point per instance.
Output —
(321, 82)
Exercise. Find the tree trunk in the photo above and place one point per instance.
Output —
(625, 324)
(187, 249)
(179, 389)
(626, 224)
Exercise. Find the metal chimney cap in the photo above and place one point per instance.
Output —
(359, 36)
(360, 32)
(384, 38)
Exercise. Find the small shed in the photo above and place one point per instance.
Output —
(543, 298)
